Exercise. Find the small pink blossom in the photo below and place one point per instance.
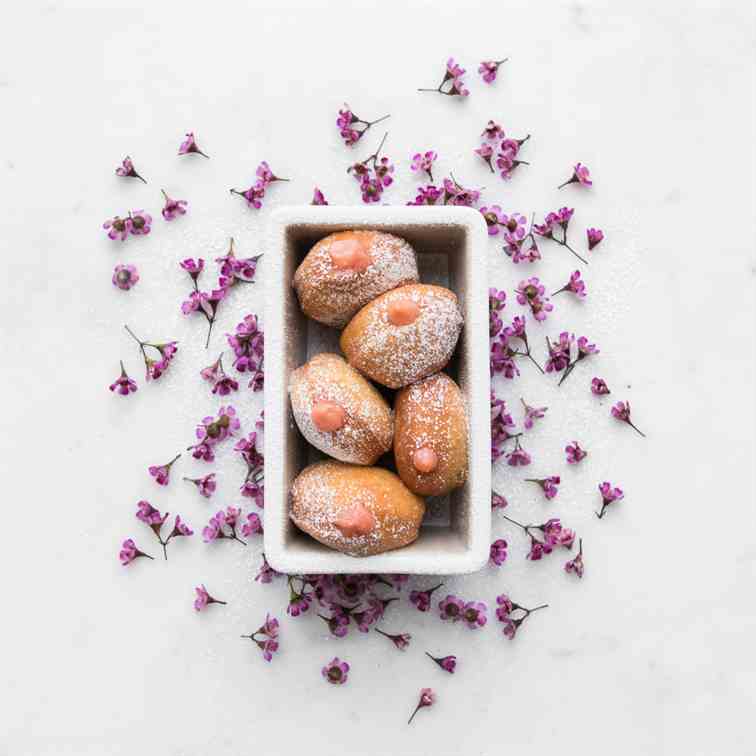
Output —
(204, 599)
(141, 223)
(173, 207)
(580, 175)
(559, 352)
(498, 552)
(452, 84)
(427, 698)
(125, 276)
(549, 486)
(422, 599)
(512, 615)
(575, 453)
(123, 385)
(318, 198)
(351, 127)
(147, 514)
(129, 552)
(498, 501)
(474, 614)
(447, 663)
(599, 387)
(595, 236)
(253, 525)
(205, 485)
(450, 608)
(266, 573)
(488, 70)
(400, 640)
(532, 414)
(575, 285)
(268, 642)
(424, 162)
(576, 565)
(162, 473)
(494, 218)
(189, 146)
(621, 411)
(253, 196)
(518, 457)
(532, 293)
(336, 671)
(118, 228)
(126, 170)
(609, 495)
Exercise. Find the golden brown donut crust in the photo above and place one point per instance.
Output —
(332, 296)
(396, 356)
(368, 430)
(432, 414)
(324, 491)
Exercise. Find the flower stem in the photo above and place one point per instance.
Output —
(638, 430)
(514, 522)
(133, 336)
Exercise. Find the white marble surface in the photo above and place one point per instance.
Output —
(653, 651)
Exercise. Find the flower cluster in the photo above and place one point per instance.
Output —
(149, 515)
(424, 162)
(136, 223)
(351, 127)
(253, 486)
(266, 637)
(503, 351)
(560, 353)
(213, 431)
(488, 69)
(248, 344)
(166, 351)
(223, 525)
(215, 375)
(576, 565)
(496, 149)
(452, 84)
(552, 535)
(555, 227)
(472, 613)
(374, 174)
(501, 423)
(255, 194)
(512, 615)
(511, 224)
(532, 293)
(575, 453)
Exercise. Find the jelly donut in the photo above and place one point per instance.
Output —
(404, 335)
(431, 436)
(356, 510)
(339, 412)
(346, 270)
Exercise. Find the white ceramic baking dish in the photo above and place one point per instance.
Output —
(451, 246)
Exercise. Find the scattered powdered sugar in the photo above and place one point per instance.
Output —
(399, 355)
(369, 428)
(336, 295)
(323, 490)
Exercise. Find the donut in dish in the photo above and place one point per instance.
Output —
(339, 412)
(431, 436)
(356, 510)
(348, 269)
(404, 335)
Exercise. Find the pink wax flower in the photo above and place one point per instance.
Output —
(450, 608)
(474, 614)
(599, 387)
(222, 525)
(193, 267)
(498, 552)
(486, 153)
(189, 146)
(488, 69)
(575, 453)
(118, 228)
(609, 495)
(576, 566)
(150, 516)
(266, 573)
(494, 218)
(267, 641)
(129, 552)
(549, 486)
(427, 698)
(595, 236)
(336, 671)
(162, 473)
(253, 196)
(621, 411)
(518, 457)
(123, 385)
(580, 175)
(204, 599)
(424, 162)
(532, 293)
(214, 374)
(318, 198)
(559, 352)
(532, 414)
(141, 223)
(173, 207)
(400, 640)
(125, 276)
(447, 663)
(205, 485)
(498, 501)
(427, 195)
(512, 615)
(575, 285)
(351, 127)
(452, 84)
(126, 170)
(253, 525)
(422, 599)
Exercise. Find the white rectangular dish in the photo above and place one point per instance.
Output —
(451, 247)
